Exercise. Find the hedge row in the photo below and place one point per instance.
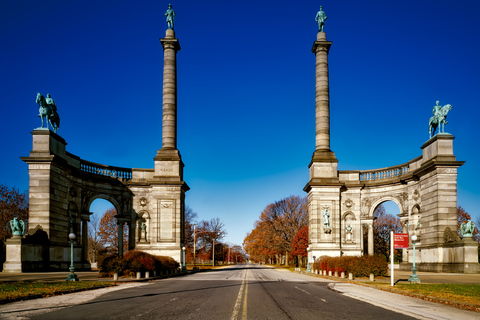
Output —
(136, 261)
(359, 266)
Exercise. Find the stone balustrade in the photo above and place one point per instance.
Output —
(384, 173)
(104, 170)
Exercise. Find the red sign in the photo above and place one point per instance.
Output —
(400, 240)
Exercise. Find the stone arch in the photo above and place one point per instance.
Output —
(107, 197)
(381, 200)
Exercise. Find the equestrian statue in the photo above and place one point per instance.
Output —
(439, 119)
(48, 112)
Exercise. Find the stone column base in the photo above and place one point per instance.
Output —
(13, 262)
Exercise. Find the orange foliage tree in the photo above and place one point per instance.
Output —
(108, 232)
(300, 245)
(190, 220)
(464, 216)
(384, 224)
(273, 234)
(12, 204)
(207, 233)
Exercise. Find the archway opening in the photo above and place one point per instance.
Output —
(103, 231)
(385, 219)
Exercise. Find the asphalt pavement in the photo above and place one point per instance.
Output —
(270, 296)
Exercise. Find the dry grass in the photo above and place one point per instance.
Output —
(15, 291)
(466, 296)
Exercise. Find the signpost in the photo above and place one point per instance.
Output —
(397, 241)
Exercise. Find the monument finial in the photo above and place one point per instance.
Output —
(170, 14)
(320, 19)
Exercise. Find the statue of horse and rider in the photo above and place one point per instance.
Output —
(48, 111)
(439, 119)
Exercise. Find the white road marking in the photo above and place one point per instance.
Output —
(302, 290)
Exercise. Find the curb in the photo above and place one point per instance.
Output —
(457, 304)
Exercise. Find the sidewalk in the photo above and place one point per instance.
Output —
(82, 276)
(425, 277)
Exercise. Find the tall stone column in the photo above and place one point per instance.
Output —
(168, 163)
(120, 237)
(324, 187)
(370, 239)
(169, 121)
(85, 218)
(322, 95)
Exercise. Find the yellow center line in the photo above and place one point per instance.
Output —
(238, 303)
(244, 314)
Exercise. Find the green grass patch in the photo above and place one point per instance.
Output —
(15, 291)
(463, 293)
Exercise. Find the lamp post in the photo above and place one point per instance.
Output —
(413, 277)
(184, 265)
(72, 276)
(194, 248)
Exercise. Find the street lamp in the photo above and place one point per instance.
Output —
(413, 277)
(194, 248)
(184, 265)
(72, 276)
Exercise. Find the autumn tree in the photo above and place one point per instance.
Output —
(260, 243)
(384, 224)
(300, 245)
(12, 204)
(190, 220)
(237, 254)
(108, 232)
(462, 217)
(273, 234)
(207, 233)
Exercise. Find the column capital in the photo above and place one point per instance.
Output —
(170, 44)
(321, 46)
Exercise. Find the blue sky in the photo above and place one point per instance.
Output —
(246, 89)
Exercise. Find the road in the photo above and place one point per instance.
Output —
(238, 292)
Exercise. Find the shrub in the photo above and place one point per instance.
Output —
(165, 264)
(135, 261)
(359, 266)
(138, 261)
(111, 264)
(364, 266)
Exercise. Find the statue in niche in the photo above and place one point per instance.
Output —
(17, 226)
(143, 232)
(326, 220)
(48, 111)
(170, 14)
(320, 19)
(439, 119)
(467, 229)
(348, 229)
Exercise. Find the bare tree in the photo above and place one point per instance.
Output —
(95, 244)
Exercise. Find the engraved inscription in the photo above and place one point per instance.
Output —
(166, 220)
